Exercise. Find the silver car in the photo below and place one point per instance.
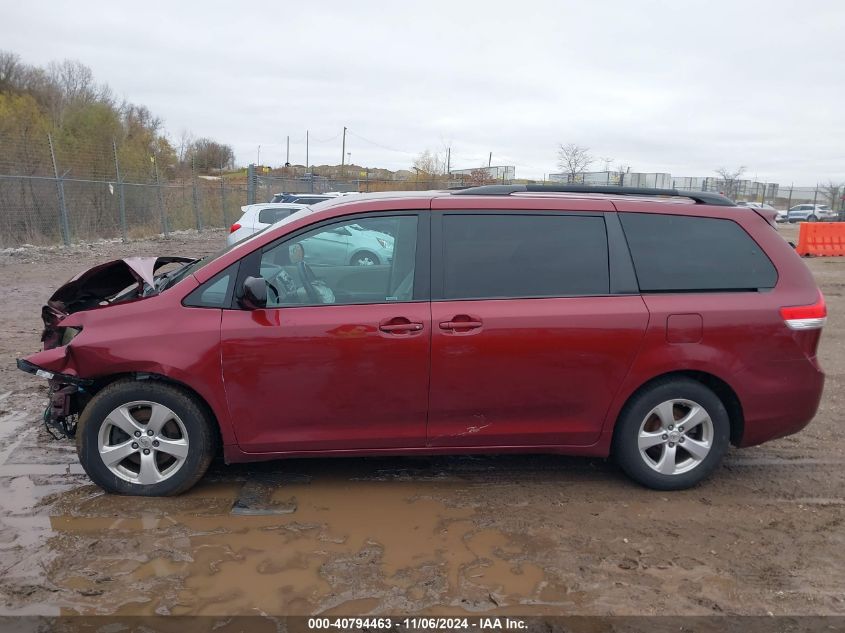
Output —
(349, 245)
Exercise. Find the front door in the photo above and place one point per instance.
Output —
(528, 344)
(339, 360)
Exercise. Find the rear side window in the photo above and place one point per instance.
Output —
(271, 215)
(521, 256)
(674, 253)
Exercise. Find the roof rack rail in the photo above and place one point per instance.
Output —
(700, 197)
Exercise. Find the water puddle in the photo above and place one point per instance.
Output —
(297, 547)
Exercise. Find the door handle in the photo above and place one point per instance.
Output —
(458, 323)
(401, 327)
(398, 325)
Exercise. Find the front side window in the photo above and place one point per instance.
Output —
(522, 256)
(343, 263)
(676, 253)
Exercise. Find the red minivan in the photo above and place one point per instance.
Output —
(655, 326)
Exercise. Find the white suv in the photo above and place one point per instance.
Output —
(257, 217)
(810, 213)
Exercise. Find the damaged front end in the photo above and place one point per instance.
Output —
(108, 284)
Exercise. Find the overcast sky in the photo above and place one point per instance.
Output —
(678, 86)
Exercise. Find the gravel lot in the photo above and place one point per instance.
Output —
(528, 535)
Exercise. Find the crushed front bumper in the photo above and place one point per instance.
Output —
(67, 394)
(30, 368)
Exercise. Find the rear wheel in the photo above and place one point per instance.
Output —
(364, 259)
(672, 435)
(144, 438)
(812, 218)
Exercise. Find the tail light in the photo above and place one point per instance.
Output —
(809, 317)
(234, 227)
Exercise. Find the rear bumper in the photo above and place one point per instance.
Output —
(779, 399)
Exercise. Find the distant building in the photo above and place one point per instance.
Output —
(494, 172)
(696, 183)
(615, 178)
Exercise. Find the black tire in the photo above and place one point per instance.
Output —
(626, 450)
(359, 258)
(812, 218)
(200, 436)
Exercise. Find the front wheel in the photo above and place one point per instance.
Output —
(144, 438)
(672, 435)
(812, 218)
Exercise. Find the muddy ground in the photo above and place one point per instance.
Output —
(527, 535)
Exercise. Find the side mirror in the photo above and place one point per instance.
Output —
(254, 293)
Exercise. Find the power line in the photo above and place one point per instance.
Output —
(389, 149)
(313, 139)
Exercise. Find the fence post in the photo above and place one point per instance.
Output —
(195, 193)
(223, 199)
(120, 193)
(789, 200)
(164, 228)
(64, 227)
(250, 183)
(815, 195)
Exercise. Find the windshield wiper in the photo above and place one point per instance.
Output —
(165, 279)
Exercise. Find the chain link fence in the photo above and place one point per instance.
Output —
(262, 187)
(51, 193)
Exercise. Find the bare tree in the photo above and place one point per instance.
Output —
(11, 71)
(430, 163)
(623, 169)
(730, 180)
(607, 161)
(186, 140)
(209, 155)
(573, 159)
(833, 192)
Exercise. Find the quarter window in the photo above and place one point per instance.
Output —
(521, 256)
(676, 253)
(214, 293)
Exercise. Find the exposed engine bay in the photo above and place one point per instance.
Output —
(107, 284)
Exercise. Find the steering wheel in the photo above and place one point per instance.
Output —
(306, 275)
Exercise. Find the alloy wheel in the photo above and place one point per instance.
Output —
(143, 442)
(675, 436)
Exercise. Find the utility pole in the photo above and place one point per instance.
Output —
(258, 162)
(490, 160)
(307, 164)
(448, 161)
(287, 155)
(343, 153)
